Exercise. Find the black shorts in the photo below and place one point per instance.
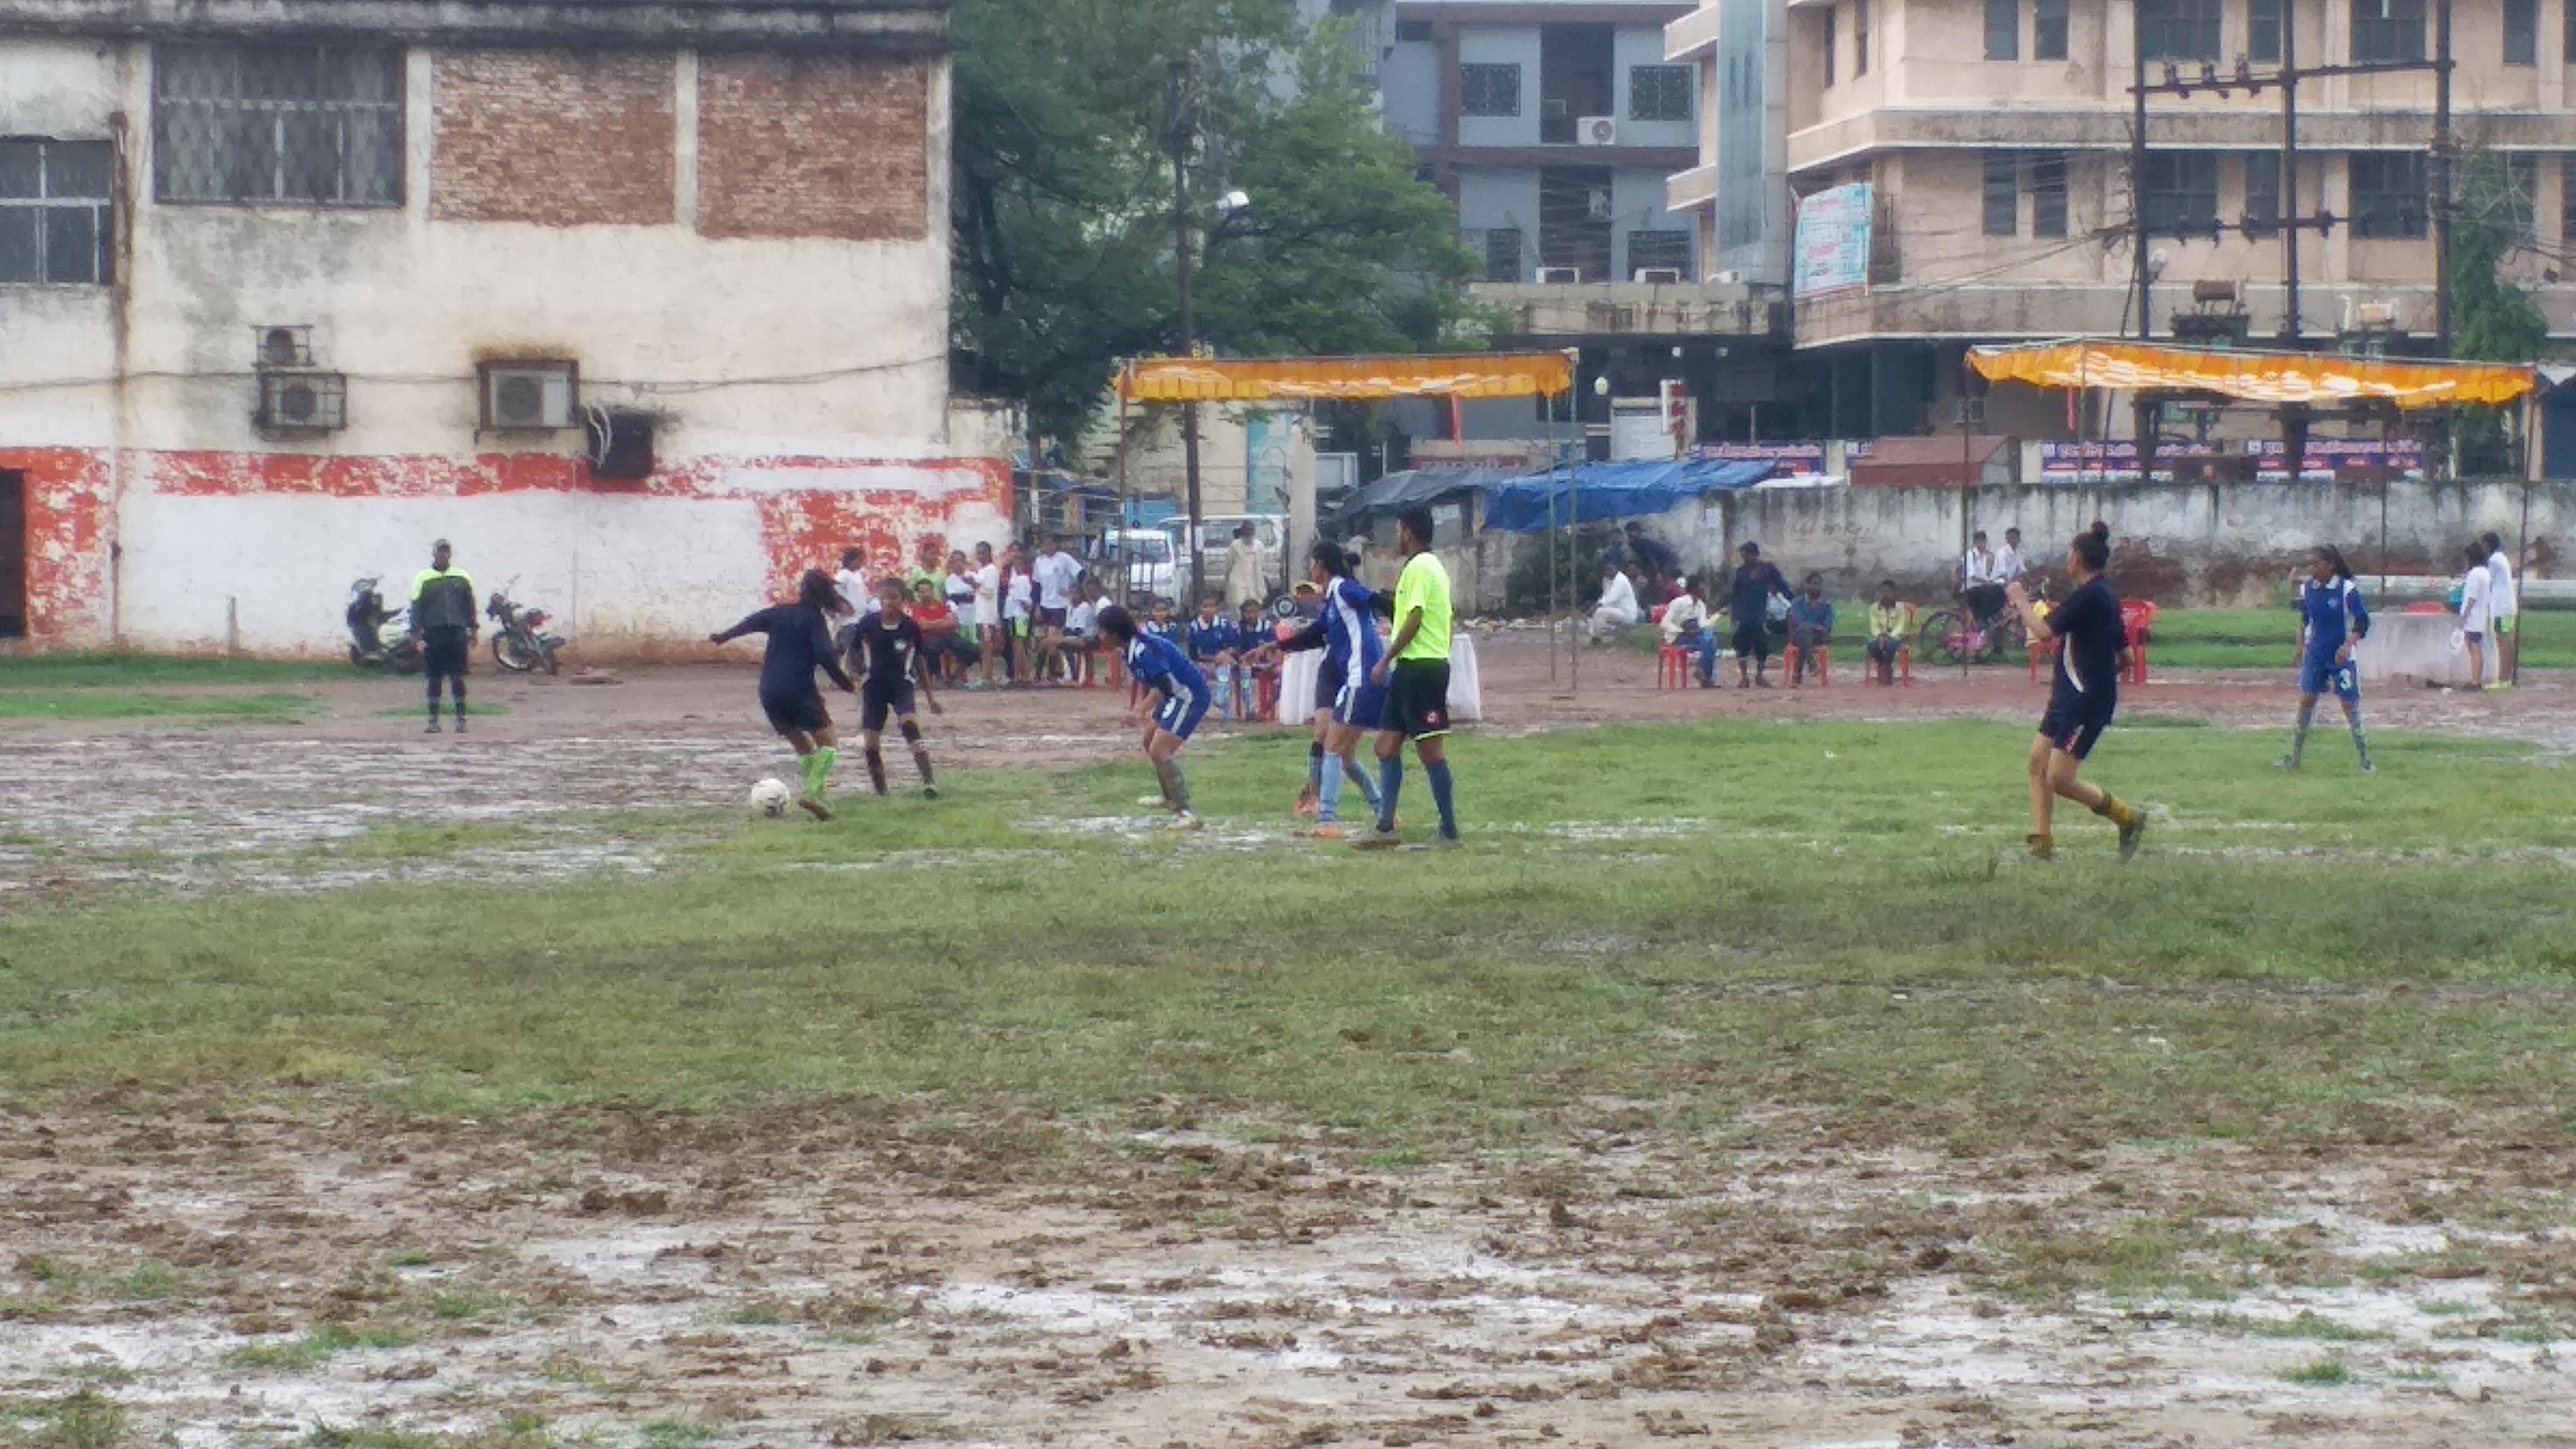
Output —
(804, 713)
(878, 701)
(1050, 618)
(1753, 639)
(1417, 699)
(444, 653)
(2074, 726)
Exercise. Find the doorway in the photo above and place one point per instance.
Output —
(13, 555)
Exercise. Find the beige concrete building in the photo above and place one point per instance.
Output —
(1996, 136)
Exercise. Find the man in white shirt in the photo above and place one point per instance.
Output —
(2010, 566)
(1978, 585)
(1687, 624)
(1055, 572)
(987, 578)
(2476, 591)
(2504, 606)
(1618, 607)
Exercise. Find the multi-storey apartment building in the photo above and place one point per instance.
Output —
(1996, 137)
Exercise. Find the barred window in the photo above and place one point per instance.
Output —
(2387, 30)
(2389, 195)
(1659, 251)
(1503, 254)
(2003, 29)
(2048, 193)
(2181, 192)
(54, 200)
(2263, 21)
(2003, 193)
(2522, 32)
(2262, 192)
(1660, 92)
(1489, 90)
(2048, 30)
(298, 124)
(2180, 29)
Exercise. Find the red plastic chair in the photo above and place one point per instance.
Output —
(1824, 666)
(1904, 665)
(2138, 622)
(1672, 667)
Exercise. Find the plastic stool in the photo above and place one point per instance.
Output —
(1904, 665)
(1824, 666)
(1672, 667)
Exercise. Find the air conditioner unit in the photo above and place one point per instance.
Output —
(301, 400)
(2376, 314)
(1596, 131)
(279, 345)
(529, 396)
(1659, 276)
(1560, 276)
(1729, 279)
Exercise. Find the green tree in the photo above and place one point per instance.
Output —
(2492, 320)
(1063, 198)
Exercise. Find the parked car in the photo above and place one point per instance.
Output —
(1151, 571)
(1216, 533)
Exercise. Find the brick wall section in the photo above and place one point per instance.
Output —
(814, 147)
(554, 138)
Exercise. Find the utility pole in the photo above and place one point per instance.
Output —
(2289, 217)
(2138, 164)
(2443, 199)
(1179, 114)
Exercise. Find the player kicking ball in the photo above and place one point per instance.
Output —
(2082, 698)
(888, 643)
(800, 642)
(2332, 620)
(1161, 667)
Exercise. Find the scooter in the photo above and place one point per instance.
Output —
(368, 619)
(522, 645)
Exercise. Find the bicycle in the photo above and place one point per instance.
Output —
(1953, 636)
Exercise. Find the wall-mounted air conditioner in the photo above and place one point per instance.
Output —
(1560, 276)
(529, 396)
(1659, 276)
(301, 400)
(1596, 131)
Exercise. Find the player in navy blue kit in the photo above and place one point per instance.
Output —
(2084, 695)
(2332, 620)
(888, 643)
(800, 642)
(1159, 666)
(1346, 701)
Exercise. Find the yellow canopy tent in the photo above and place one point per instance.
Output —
(1467, 377)
(2272, 379)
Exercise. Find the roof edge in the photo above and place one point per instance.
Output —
(811, 26)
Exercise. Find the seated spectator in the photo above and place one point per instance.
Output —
(945, 650)
(1618, 607)
(1250, 632)
(1890, 625)
(1214, 644)
(1811, 623)
(1074, 650)
(1652, 559)
(1687, 624)
(1161, 623)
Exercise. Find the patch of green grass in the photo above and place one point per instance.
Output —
(316, 1346)
(149, 1281)
(415, 1258)
(762, 1313)
(146, 671)
(2313, 1326)
(2325, 1373)
(1695, 918)
(674, 1434)
(84, 1420)
(2447, 1308)
(467, 1305)
(2269, 638)
(43, 705)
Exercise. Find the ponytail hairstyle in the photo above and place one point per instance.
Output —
(816, 591)
(1329, 557)
(1115, 625)
(2332, 557)
(2093, 547)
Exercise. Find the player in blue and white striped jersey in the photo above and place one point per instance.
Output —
(1347, 702)
(2332, 621)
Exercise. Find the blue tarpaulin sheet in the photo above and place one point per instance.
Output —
(1608, 492)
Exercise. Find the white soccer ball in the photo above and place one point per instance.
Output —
(770, 798)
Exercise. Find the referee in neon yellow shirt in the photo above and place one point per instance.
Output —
(1415, 673)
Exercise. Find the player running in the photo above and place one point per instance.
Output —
(800, 642)
(1347, 703)
(889, 643)
(1415, 676)
(2084, 695)
(2332, 620)
(1160, 666)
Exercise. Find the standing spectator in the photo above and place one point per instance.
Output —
(1811, 625)
(1687, 624)
(1618, 607)
(987, 577)
(957, 584)
(1246, 580)
(444, 621)
(1890, 625)
(1652, 559)
(1978, 586)
(851, 585)
(2477, 596)
(1250, 634)
(2504, 607)
(1748, 600)
(1055, 572)
(1019, 604)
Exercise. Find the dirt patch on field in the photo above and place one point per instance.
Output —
(235, 1275)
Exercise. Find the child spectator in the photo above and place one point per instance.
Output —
(1811, 624)
(1251, 633)
(987, 578)
(1890, 625)
(2477, 600)
(1019, 607)
(945, 651)
(1687, 624)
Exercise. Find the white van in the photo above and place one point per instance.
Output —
(1150, 562)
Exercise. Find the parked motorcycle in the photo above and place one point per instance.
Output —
(522, 645)
(368, 619)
